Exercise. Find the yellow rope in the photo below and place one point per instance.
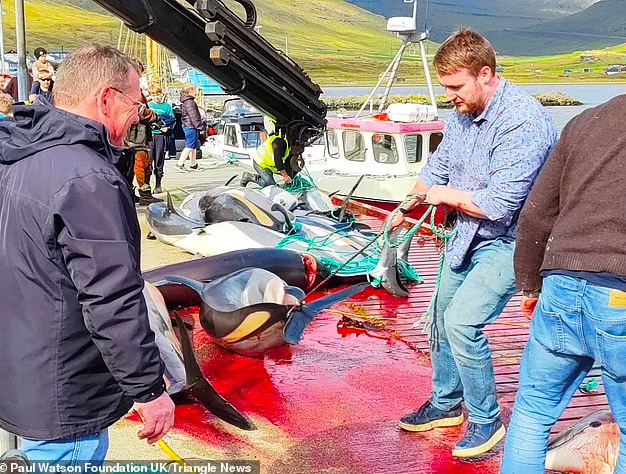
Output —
(165, 447)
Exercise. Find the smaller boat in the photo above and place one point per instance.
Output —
(239, 131)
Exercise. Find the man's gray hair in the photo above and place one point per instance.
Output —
(89, 69)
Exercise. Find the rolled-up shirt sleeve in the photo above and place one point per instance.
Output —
(515, 162)
(437, 168)
(96, 241)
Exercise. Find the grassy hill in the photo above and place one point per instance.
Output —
(551, 68)
(334, 41)
(601, 25)
(55, 25)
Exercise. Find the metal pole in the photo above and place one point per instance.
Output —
(119, 37)
(392, 78)
(2, 69)
(429, 81)
(20, 36)
(380, 81)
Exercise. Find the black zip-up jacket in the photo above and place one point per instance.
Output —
(191, 113)
(76, 348)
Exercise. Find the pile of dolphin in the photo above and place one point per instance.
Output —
(246, 309)
(227, 219)
(257, 264)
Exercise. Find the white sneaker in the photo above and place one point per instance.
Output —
(180, 168)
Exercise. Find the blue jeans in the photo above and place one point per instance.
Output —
(469, 298)
(573, 325)
(92, 448)
(266, 177)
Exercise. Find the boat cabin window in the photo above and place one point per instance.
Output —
(253, 139)
(332, 144)
(354, 146)
(230, 136)
(413, 145)
(385, 150)
(435, 140)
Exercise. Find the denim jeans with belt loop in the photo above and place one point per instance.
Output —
(574, 324)
(73, 452)
(470, 298)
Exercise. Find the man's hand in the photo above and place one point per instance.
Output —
(164, 129)
(437, 195)
(397, 220)
(528, 306)
(286, 177)
(158, 417)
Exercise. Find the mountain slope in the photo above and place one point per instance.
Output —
(442, 17)
(332, 40)
(601, 25)
(56, 25)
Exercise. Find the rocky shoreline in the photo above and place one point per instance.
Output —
(549, 99)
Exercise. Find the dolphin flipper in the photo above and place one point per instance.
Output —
(300, 318)
(200, 388)
(191, 283)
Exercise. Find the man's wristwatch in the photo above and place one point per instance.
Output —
(404, 211)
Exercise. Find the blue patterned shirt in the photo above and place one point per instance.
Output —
(498, 155)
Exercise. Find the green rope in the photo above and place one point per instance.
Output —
(589, 386)
(300, 184)
(366, 264)
(443, 247)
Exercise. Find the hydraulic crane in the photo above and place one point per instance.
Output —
(213, 39)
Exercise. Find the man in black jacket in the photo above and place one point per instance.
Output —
(76, 347)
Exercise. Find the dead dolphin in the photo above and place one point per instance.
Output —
(252, 310)
(241, 205)
(182, 372)
(590, 446)
(281, 196)
(167, 223)
(296, 269)
(387, 272)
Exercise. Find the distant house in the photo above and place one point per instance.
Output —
(587, 57)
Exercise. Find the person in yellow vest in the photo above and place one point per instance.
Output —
(274, 156)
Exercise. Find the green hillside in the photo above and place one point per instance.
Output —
(552, 68)
(55, 25)
(334, 41)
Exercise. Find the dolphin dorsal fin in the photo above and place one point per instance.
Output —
(170, 203)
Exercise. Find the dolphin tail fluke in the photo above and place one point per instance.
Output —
(392, 282)
(300, 318)
(191, 283)
(202, 390)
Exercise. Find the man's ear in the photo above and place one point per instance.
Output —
(485, 74)
(104, 101)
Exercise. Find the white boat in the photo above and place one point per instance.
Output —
(388, 154)
(239, 131)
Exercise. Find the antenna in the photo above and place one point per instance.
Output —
(406, 29)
